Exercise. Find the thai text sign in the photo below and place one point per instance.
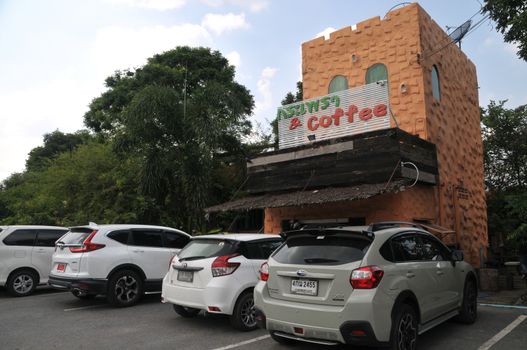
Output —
(348, 112)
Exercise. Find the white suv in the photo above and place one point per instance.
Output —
(376, 286)
(25, 256)
(217, 273)
(120, 261)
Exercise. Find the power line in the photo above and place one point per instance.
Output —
(474, 27)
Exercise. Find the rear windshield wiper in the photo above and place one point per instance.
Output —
(193, 257)
(319, 260)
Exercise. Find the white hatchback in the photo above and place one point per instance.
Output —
(25, 256)
(217, 274)
(120, 261)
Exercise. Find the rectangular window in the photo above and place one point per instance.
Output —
(47, 238)
(145, 238)
(21, 238)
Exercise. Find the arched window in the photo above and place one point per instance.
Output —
(436, 87)
(338, 83)
(376, 73)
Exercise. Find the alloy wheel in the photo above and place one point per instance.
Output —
(126, 289)
(23, 284)
(406, 333)
(247, 313)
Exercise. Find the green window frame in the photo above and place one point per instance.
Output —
(376, 73)
(436, 86)
(338, 83)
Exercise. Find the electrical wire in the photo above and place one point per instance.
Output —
(474, 27)
(416, 169)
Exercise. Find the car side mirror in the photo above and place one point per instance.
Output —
(457, 255)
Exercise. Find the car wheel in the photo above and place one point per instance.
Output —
(282, 340)
(83, 296)
(469, 306)
(404, 329)
(125, 288)
(187, 312)
(21, 283)
(243, 317)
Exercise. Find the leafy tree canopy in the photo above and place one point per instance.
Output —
(505, 155)
(511, 20)
(176, 113)
(288, 99)
(505, 142)
(55, 143)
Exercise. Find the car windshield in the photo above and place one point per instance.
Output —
(322, 249)
(76, 235)
(207, 248)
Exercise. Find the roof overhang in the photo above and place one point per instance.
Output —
(309, 197)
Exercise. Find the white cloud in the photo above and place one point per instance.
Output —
(160, 5)
(118, 48)
(325, 33)
(223, 23)
(252, 5)
(29, 113)
(265, 100)
(234, 59)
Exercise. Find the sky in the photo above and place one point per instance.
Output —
(55, 54)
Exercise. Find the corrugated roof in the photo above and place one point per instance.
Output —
(299, 198)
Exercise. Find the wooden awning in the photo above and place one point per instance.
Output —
(308, 197)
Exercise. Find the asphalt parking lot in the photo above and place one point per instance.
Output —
(57, 320)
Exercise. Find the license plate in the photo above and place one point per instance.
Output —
(61, 267)
(185, 276)
(304, 287)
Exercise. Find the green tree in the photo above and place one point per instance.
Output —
(90, 183)
(511, 20)
(288, 99)
(55, 143)
(504, 134)
(505, 143)
(176, 114)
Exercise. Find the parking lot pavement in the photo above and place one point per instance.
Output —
(57, 320)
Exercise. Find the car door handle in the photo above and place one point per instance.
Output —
(440, 272)
(138, 251)
(410, 274)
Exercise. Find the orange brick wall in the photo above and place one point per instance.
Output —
(402, 41)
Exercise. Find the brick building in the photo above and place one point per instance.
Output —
(362, 173)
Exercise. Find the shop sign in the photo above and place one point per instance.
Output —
(348, 112)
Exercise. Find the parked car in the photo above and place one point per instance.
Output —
(120, 261)
(217, 274)
(25, 256)
(380, 285)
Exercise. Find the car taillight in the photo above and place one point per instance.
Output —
(367, 277)
(221, 266)
(87, 245)
(171, 261)
(264, 271)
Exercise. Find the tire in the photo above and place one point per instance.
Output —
(404, 329)
(469, 306)
(22, 283)
(83, 296)
(243, 317)
(125, 288)
(187, 312)
(282, 340)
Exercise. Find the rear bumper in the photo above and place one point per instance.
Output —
(87, 285)
(364, 321)
(215, 294)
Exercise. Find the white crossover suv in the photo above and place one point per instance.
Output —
(25, 256)
(217, 273)
(120, 261)
(380, 285)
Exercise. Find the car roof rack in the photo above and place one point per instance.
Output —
(329, 230)
(377, 226)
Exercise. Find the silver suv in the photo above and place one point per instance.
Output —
(378, 285)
